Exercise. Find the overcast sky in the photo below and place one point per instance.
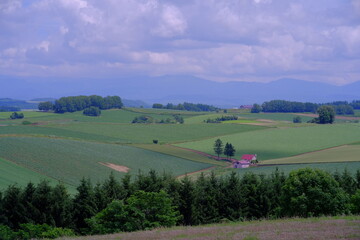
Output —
(222, 40)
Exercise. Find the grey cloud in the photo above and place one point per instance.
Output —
(219, 39)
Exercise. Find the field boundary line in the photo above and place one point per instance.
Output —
(34, 170)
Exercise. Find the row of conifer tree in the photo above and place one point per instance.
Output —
(208, 199)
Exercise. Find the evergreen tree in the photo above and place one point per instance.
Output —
(249, 191)
(187, 198)
(27, 198)
(61, 208)
(84, 205)
(218, 147)
(13, 209)
(127, 186)
(205, 201)
(42, 203)
(230, 204)
(113, 189)
(229, 150)
(100, 197)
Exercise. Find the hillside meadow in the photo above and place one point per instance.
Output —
(66, 147)
(325, 228)
(69, 161)
(284, 142)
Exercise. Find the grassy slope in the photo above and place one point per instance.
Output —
(12, 173)
(179, 152)
(278, 143)
(274, 116)
(165, 133)
(69, 160)
(110, 116)
(312, 228)
(348, 153)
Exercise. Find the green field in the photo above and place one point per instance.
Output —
(274, 116)
(346, 153)
(165, 133)
(240, 121)
(179, 152)
(107, 116)
(284, 142)
(69, 161)
(11, 173)
(70, 146)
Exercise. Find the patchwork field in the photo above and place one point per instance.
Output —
(12, 173)
(69, 161)
(284, 142)
(311, 228)
(165, 133)
(70, 146)
(346, 153)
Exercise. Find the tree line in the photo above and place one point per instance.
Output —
(187, 107)
(340, 107)
(153, 200)
(79, 103)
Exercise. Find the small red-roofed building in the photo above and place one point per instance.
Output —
(249, 157)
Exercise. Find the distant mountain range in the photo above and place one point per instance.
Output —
(177, 89)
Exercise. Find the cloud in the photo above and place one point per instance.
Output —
(256, 40)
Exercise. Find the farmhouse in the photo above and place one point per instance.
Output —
(246, 161)
(246, 106)
(241, 164)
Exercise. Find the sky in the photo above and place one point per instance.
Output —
(219, 40)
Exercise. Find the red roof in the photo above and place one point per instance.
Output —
(248, 156)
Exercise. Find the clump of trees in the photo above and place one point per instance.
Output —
(326, 115)
(16, 115)
(79, 103)
(148, 119)
(143, 119)
(221, 119)
(152, 200)
(92, 111)
(256, 108)
(340, 107)
(228, 150)
(187, 107)
(46, 106)
(9, 109)
(297, 119)
(288, 106)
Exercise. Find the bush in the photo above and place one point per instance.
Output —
(26, 123)
(92, 111)
(16, 115)
(6, 233)
(31, 231)
(309, 192)
(143, 119)
(297, 119)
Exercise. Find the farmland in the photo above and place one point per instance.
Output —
(69, 146)
(69, 160)
(311, 228)
(284, 142)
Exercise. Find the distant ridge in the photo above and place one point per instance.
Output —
(177, 89)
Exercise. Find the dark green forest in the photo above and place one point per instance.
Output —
(340, 107)
(187, 107)
(152, 200)
(79, 103)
